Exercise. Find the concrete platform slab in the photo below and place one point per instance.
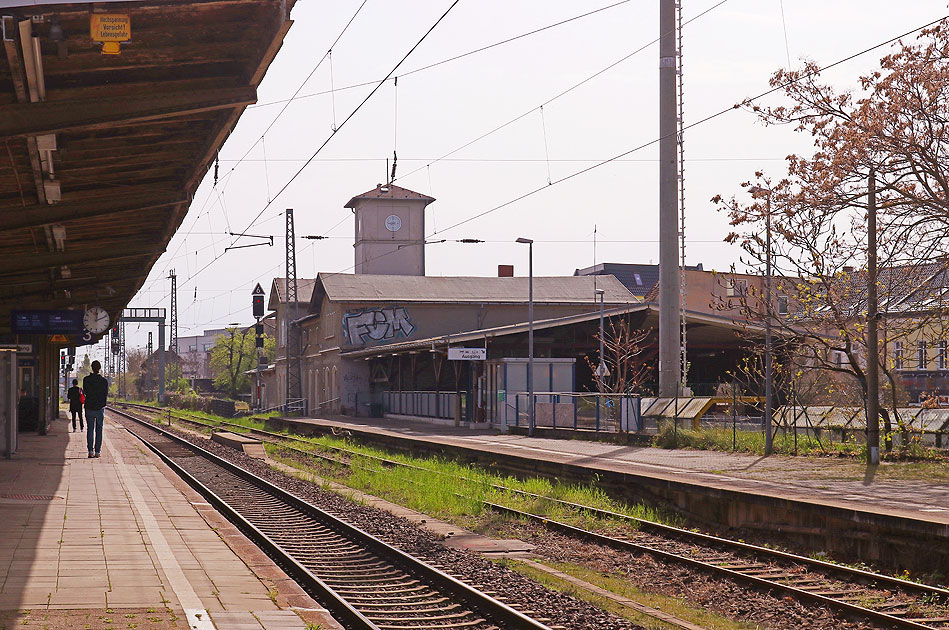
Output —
(121, 537)
(837, 505)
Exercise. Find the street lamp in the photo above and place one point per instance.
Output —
(768, 445)
(601, 369)
(530, 333)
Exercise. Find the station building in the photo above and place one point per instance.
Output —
(383, 338)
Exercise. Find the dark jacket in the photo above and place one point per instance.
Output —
(96, 389)
(73, 396)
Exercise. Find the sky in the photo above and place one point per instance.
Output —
(730, 50)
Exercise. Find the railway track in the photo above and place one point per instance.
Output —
(884, 600)
(366, 583)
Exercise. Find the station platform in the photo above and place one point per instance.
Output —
(121, 542)
(894, 516)
(833, 481)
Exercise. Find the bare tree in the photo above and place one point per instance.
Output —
(897, 132)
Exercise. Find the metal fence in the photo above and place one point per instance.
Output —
(736, 410)
(584, 411)
(442, 405)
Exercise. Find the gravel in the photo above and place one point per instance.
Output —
(700, 590)
(555, 608)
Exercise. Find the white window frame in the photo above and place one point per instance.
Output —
(898, 355)
(782, 305)
(941, 345)
(736, 287)
(921, 358)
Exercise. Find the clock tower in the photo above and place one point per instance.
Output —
(390, 231)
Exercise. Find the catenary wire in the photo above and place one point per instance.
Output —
(325, 142)
(689, 126)
(226, 177)
(450, 59)
(559, 95)
(481, 49)
(350, 116)
(652, 142)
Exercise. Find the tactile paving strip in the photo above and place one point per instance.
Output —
(28, 497)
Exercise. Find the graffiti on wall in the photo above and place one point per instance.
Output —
(377, 324)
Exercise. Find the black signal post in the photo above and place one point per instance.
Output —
(257, 301)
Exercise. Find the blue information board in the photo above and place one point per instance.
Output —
(46, 322)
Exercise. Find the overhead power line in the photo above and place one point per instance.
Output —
(450, 59)
(269, 126)
(558, 95)
(686, 127)
(332, 134)
(621, 155)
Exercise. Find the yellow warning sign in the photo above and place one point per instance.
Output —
(58, 339)
(110, 27)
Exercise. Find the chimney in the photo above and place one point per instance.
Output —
(505, 271)
(848, 269)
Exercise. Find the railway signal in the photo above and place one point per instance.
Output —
(257, 304)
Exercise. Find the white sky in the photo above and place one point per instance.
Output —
(729, 54)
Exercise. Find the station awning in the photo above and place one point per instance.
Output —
(100, 154)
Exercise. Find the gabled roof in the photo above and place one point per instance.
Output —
(390, 193)
(467, 290)
(639, 279)
(278, 291)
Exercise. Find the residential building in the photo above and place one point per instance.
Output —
(195, 354)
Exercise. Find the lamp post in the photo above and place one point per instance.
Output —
(601, 369)
(530, 333)
(768, 402)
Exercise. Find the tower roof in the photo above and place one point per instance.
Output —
(391, 193)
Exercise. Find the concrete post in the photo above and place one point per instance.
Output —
(669, 356)
(161, 363)
(873, 349)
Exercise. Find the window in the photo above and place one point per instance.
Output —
(898, 355)
(921, 355)
(782, 305)
(942, 354)
(734, 288)
(208, 346)
(192, 348)
(639, 279)
(839, 358)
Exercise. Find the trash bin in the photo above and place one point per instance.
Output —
(375, 410)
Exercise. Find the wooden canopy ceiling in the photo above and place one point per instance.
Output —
(134, 135)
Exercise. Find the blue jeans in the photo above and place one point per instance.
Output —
(94, 418)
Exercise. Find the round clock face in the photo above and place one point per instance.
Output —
(393, 223)
(96, 320)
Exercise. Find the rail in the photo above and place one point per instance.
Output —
(753, 571)
(358, 613)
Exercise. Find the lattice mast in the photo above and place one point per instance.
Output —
(680, 136)
(123, 361)
(107, 361)
(173, 344)
(294, 385)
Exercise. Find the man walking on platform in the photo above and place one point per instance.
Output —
(75, 404)
(96, 389)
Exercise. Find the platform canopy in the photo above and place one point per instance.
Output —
(100, 154)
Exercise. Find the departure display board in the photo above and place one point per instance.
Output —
(46, 322)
